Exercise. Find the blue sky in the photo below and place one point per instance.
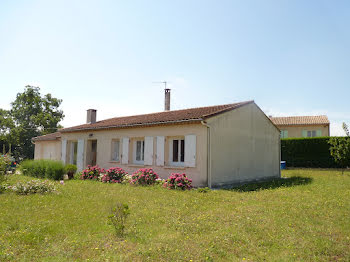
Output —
(291, 57)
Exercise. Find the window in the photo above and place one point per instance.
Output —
(284, 133)
(139, 152)
(311, 133)
(177, 152)
(115, 150)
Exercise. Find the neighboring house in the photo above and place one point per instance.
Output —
(302, 126)
(214, 146)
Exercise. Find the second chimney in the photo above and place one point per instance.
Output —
(167, 99)
(91, 116)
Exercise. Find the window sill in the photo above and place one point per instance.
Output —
(174, 167)
(113, 161)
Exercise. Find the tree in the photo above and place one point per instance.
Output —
(33, 115)
(340, 148)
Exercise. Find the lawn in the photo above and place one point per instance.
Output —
(304, 218)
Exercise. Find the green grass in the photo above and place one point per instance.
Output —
(305, 217)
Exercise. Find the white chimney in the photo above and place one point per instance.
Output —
(91, 116)
(167, 99)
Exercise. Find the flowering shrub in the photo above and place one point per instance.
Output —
(32, 187)
(114, 175)
(127, 179)
(92, 172)
(144, 176)
(178, 181)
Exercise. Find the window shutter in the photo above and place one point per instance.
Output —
(148, 150)
(160, 151)
(190, 150)
(318, 133)
(80, 155)
(64, 150)
(125, 153)
(304, 133)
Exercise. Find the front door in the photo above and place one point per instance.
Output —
(92, 152)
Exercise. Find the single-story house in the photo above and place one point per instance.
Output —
(214, 145)
(302, 126)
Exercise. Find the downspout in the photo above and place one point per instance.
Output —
(208, 153)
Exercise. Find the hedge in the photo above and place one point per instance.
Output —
(307, 152)
(43, 169)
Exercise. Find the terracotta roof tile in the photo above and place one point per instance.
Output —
(167, 117)
(300, 120)
(48, 137)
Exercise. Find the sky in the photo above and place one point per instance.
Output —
(291, 56)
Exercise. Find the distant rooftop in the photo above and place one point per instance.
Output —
(300, 120)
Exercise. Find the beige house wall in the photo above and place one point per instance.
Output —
(48, 150)
(245, 146)
(104, 148)
(297, 131)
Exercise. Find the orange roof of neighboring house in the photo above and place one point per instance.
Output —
(300, 120)
(191, 115)
(48, 137)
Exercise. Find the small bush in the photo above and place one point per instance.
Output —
(114, 175)
(118, 217)
(178, 181)
(54, 170)
(203, 190)
(2, 188)
(43, 169)
(144, 176)
(70, 170)
(4, 162)
(77, 175)
(92, 173)
(33, 187)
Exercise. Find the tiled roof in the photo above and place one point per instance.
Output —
(300, 120)
(48, 137)
(191, 115)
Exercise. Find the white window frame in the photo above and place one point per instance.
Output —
(142, 161)
(113, 147)
(171, 144)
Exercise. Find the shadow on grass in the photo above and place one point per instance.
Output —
(272, 184)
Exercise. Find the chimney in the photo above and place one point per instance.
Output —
(167, 99)
(91, 116)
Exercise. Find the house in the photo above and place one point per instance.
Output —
(302, 126)
(214, 145)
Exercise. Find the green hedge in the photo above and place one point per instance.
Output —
(307, 152)
(43, 169)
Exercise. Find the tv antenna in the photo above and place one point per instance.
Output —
(162, 82)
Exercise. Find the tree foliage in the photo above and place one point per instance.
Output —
(340, 148)
(31, 115)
